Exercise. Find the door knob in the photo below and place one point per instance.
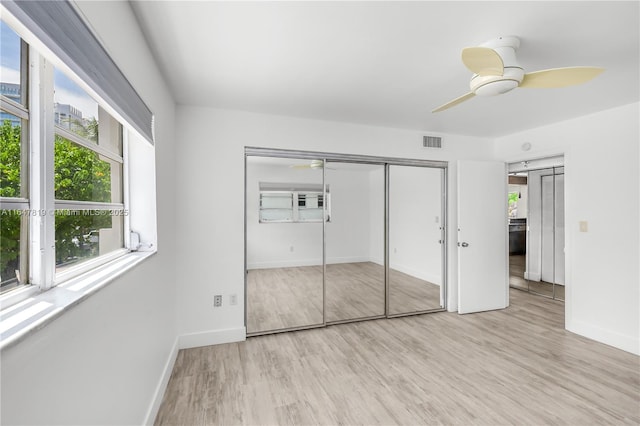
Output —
(464, 244)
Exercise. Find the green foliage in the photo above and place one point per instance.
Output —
(9, 187)
(513, 197)
(9, 160)
(80, 175)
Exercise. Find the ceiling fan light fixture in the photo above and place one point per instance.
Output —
(496, 87)
(316, 164)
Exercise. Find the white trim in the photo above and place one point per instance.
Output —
(17, 295)
(87, 266)
(608, 337)
(212, 337)
(87, 205)
(7, 203)
(308, 262)
(85, 143)
(13, 108)
(432, 278)
(126, 189)
(152, 412)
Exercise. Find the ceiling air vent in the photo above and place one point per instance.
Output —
(432, 142)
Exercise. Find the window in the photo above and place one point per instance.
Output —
(14, 200)
(292, 203)
(88, 162)
(68, 208)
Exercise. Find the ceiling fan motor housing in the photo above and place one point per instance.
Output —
(490, 85)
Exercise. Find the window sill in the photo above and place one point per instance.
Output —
(20, 320)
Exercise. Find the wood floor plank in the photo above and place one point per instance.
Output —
(514, 366)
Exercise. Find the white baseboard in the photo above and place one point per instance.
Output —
(185, 341)
(532, 276)
(284, 263)
(152, 412)
(608, 337)
(306, 262)
(212, 337)
(434, 279)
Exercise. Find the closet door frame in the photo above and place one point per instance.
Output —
(350, 158)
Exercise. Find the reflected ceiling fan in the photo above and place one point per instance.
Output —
(313, 164)
(496, 71)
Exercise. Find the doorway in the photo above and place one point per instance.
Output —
(332, 238)
(536, 227)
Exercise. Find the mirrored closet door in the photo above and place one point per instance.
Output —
(284, 256)
(416, 234)
(334, 238)
(536, 227)
(355, 274)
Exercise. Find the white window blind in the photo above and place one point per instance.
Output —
(59, 26)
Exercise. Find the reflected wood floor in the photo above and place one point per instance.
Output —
(513, 366)
(292, 297)
(517, 280)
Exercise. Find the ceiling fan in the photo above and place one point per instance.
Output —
(496, 71)
(313, 164)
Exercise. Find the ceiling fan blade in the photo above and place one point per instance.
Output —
(482, 61)
(559, 77)
(454, 102)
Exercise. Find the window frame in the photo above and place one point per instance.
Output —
(21, 203)
(38, 179)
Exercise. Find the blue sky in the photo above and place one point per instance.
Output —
(10, 54)
(66, 90)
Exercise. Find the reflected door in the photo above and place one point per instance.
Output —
(354, 232)
(284, 208)
(415, 275)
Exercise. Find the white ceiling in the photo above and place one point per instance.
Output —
(390, 63)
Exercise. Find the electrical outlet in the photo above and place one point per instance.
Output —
(217, 300)
(233, 299)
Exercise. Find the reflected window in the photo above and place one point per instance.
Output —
(281, 203)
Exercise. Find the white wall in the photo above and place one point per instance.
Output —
(348, 234)
(210, 168)
(376, 218)
(602, 185)
(415, 217)
(102, 361)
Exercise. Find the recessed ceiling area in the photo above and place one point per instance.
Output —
(391, 63)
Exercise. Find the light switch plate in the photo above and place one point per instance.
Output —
(584, 226)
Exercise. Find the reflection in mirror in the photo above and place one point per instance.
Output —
(536, 231)
(518, 196)
(415, 252)
(355, 242)
(284, 204)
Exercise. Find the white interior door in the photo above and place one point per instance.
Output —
(482, 236)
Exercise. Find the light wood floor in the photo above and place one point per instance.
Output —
(514, 366)
(517, 280)
(292, 297)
